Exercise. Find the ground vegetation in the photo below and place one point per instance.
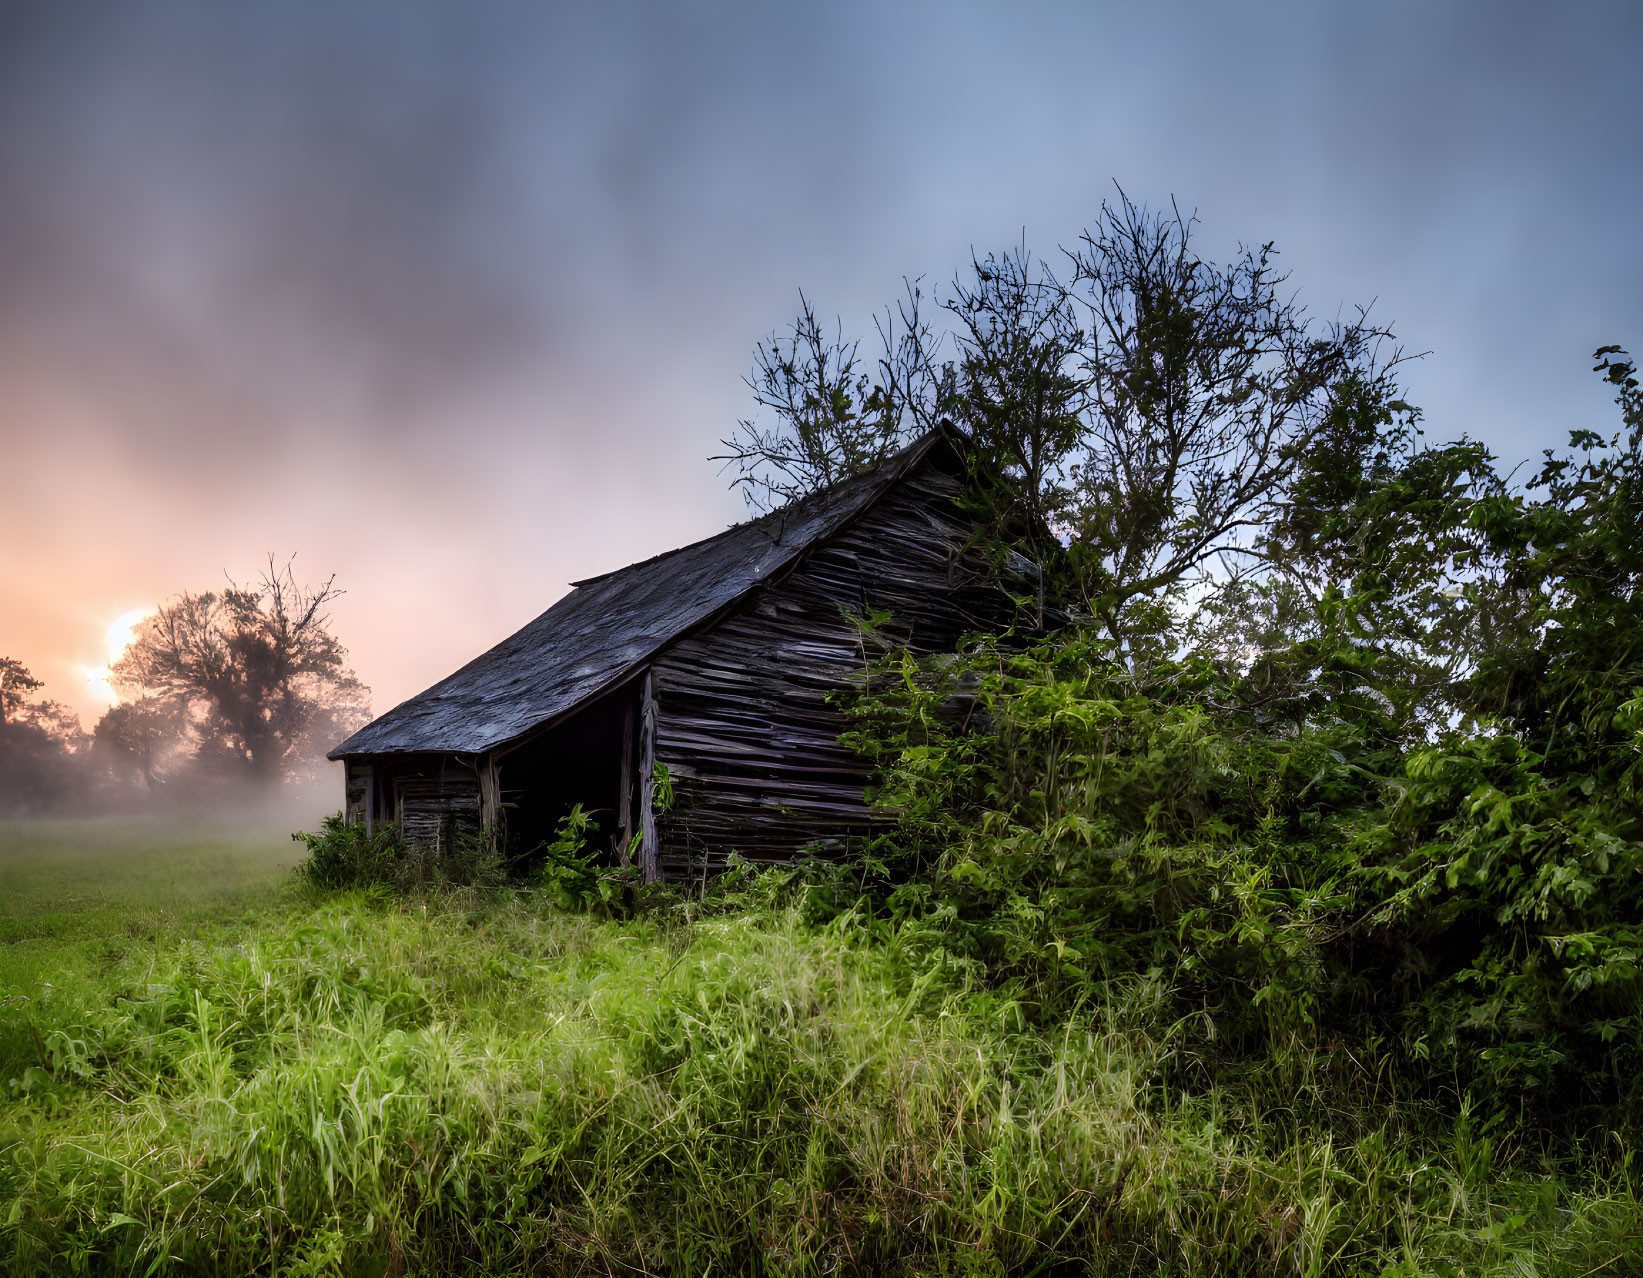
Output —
(771, 1079)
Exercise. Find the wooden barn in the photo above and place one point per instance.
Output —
(715, 661)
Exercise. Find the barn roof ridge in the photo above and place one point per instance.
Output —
(781, 515)
(594, 637)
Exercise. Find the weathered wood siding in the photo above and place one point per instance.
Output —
(432, 812)
(356, 789)
(743, 721)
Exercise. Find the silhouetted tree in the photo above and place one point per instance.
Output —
(254, 672)
(1140, 416)
(834, 414)
(1207, 388)
(41, 743)
(1022, 392)
(140, 737)
(16, 686)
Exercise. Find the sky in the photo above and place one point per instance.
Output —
(454, 300)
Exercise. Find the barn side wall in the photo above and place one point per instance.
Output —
(437, 812)
(743, 723)
(435, 800)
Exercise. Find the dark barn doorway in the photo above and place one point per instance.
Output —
(587, 758)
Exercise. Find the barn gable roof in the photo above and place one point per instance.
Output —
(610, 625)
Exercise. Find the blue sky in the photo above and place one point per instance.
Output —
(455, 299)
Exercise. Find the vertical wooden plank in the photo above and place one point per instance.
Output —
(490, 799)
(436, 810)
(650, 860)
(370, 800)
(624, 794)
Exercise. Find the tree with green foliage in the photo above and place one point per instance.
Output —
(1209, 387)
(1377, 587)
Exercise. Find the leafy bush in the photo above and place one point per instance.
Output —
(1402, 815)
(1093, 832)
(1508, 903)
(1287, 885)
(568, 873)
(343, 856)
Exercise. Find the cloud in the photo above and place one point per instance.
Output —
(224, 220)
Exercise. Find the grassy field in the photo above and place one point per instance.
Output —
(73, 892)
(208, 1071)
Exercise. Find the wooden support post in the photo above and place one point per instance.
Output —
(490, 798)
(624, 789)
(650, 860)
(370, 801)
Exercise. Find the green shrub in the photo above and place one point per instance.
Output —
(567, 871)
(343, 856)
(1455, 909)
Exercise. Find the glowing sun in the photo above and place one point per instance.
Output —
(118, 637)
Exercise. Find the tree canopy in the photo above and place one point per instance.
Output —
(251, 676)
(1339, 737)
(1137, 411)
(1392, 802)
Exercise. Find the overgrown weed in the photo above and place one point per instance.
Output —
(342, 856)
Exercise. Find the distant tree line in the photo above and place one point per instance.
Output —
(42, 745)
(245, 686)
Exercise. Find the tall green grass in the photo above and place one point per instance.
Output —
(477, 1083)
